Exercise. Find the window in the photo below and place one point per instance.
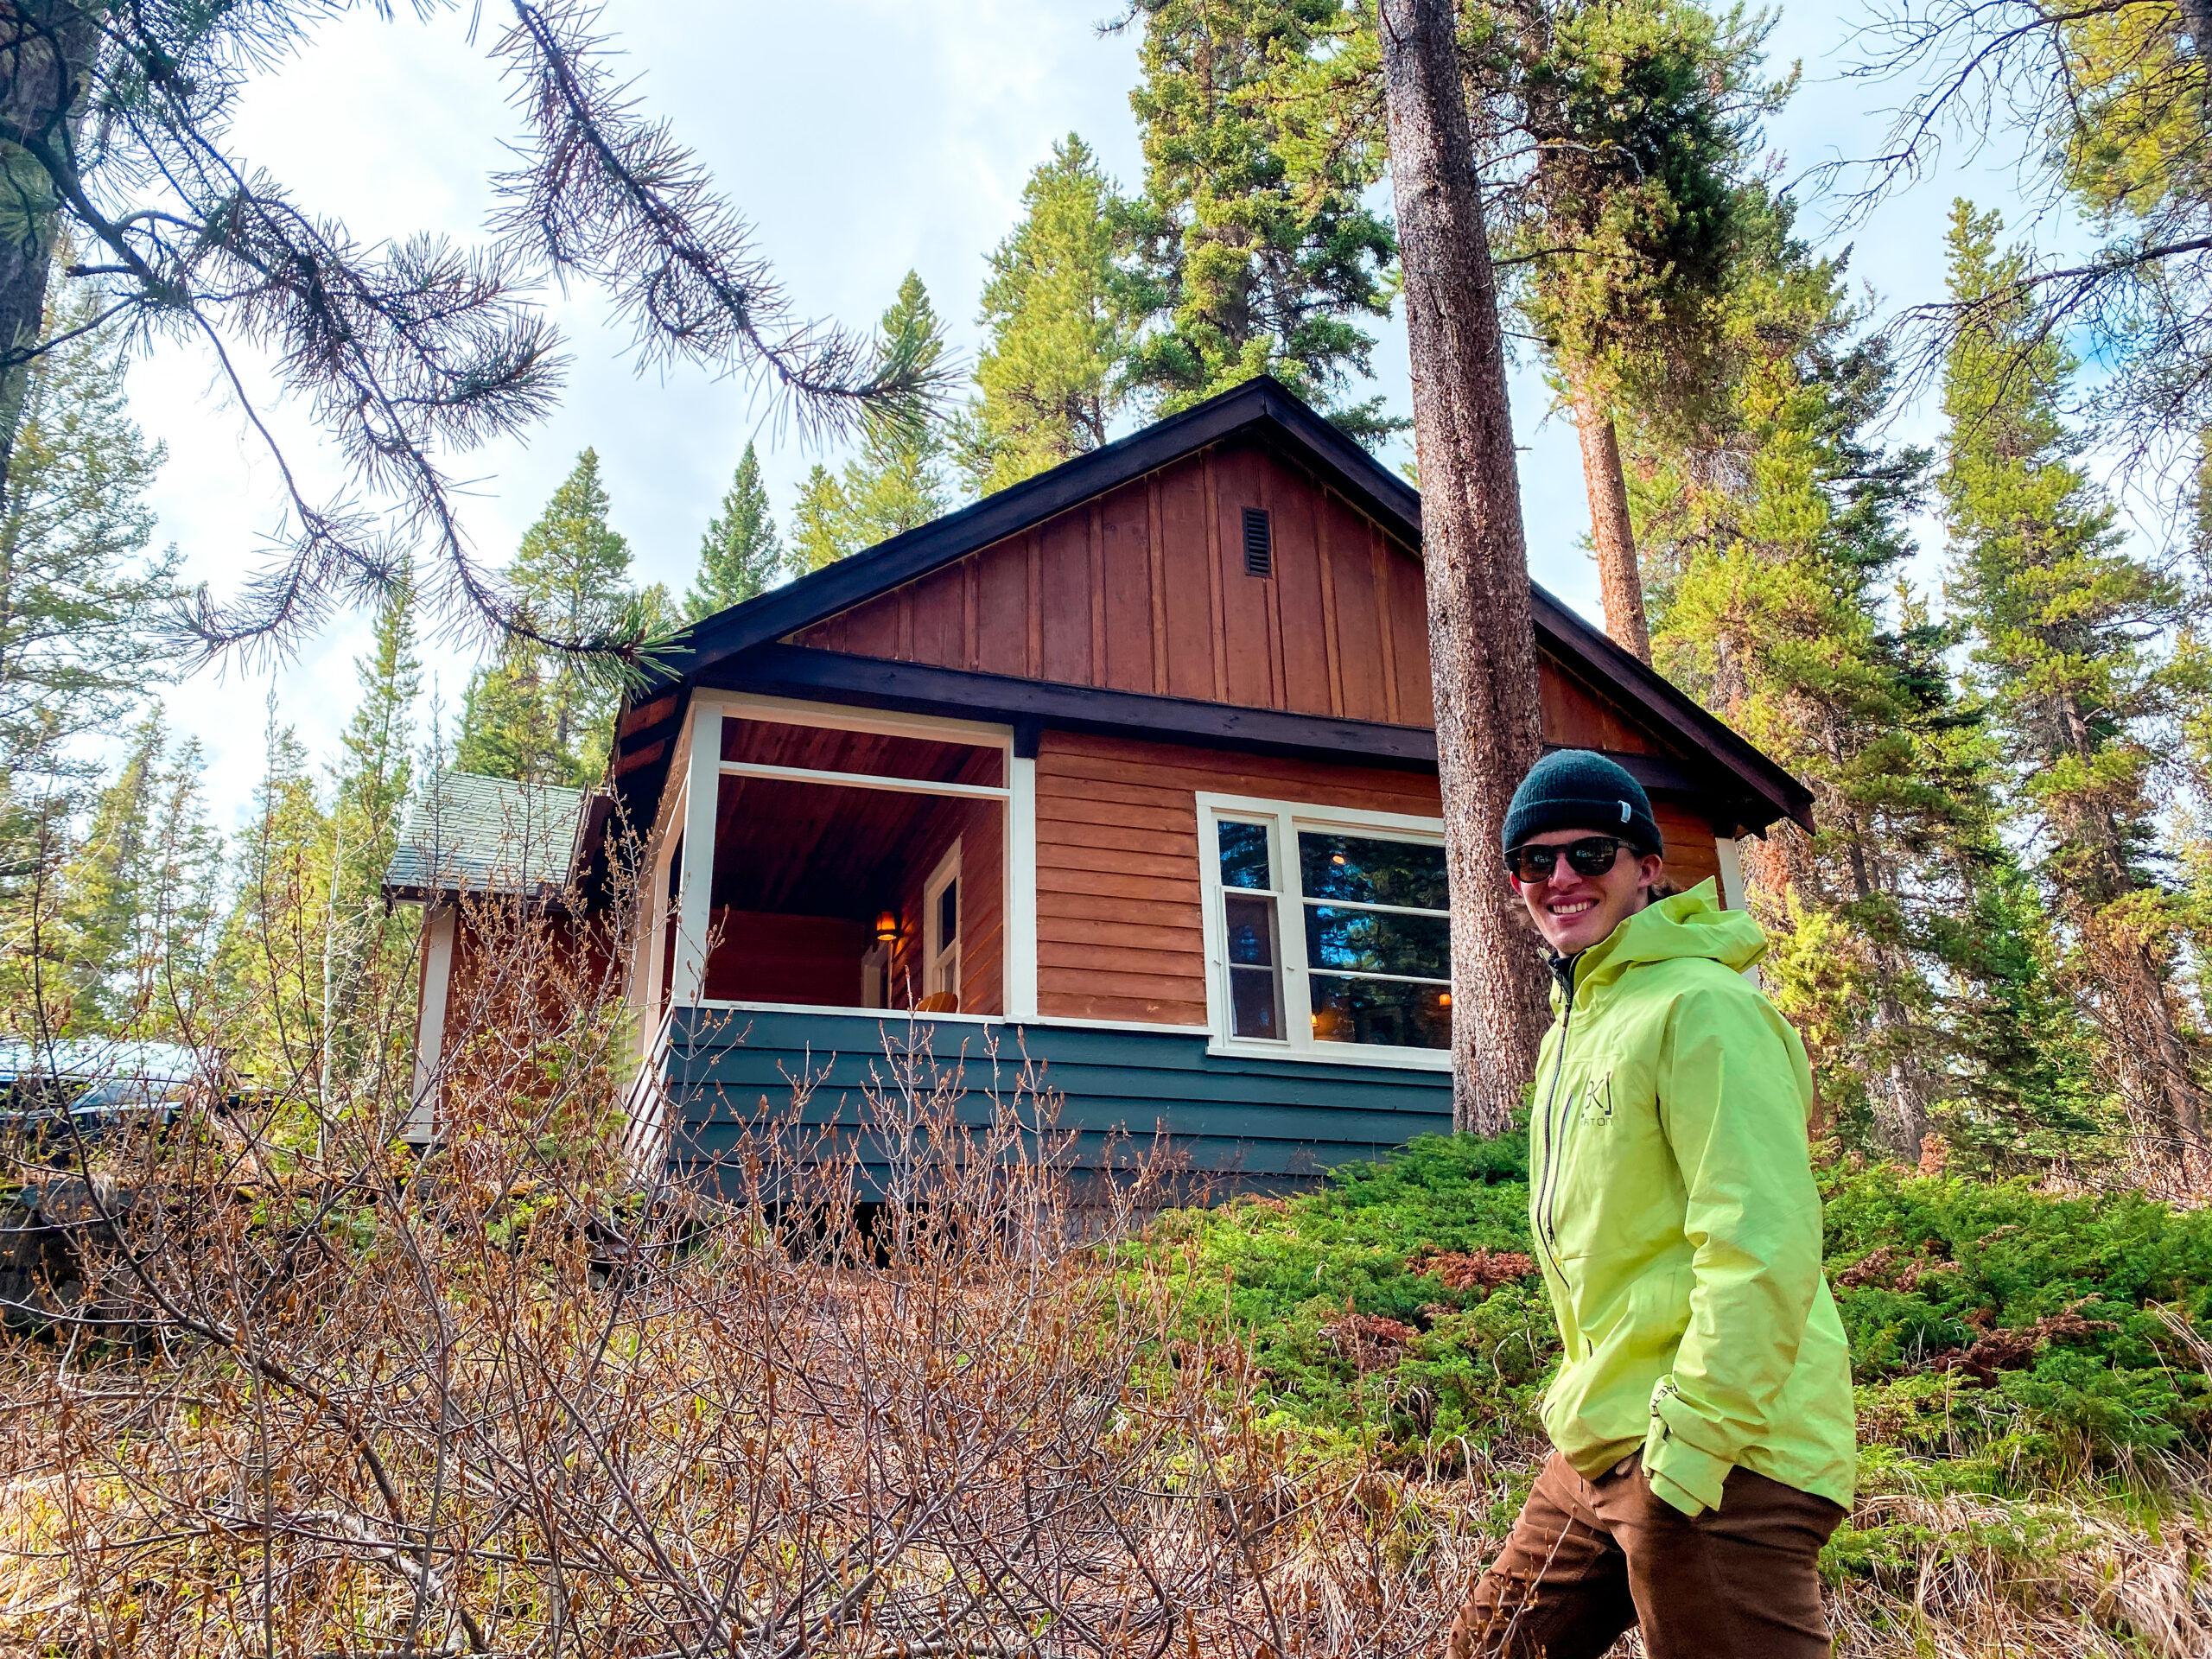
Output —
(941, 927)
(1328, 931)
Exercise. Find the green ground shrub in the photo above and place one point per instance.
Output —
(2003, 1340)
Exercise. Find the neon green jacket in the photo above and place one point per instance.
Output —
(1671, 1195)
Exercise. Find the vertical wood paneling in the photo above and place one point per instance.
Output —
(940, 618)
(1095, 544)
(1332, 645)
(1002, 607)
(1125, 544)
(969, 580)
(1378, 553)
(1144, 590)
(1187, 580)
(1219, 634)
(1034, 653)
(1576, 717)
(1359, 614)
(1246, 671)
(1156, 551)
(1301, 622)
(1408, 613)
(1063, 599)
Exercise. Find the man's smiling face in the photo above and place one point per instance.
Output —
(1575, 911)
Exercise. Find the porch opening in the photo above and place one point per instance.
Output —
(857, 869)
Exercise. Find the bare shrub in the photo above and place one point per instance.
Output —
(876, 1395)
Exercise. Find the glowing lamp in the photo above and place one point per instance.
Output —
(886, 928)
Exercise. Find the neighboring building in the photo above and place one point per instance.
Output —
(478, 838)
(1130, 769)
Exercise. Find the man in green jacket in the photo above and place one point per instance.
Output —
(1702, 1410)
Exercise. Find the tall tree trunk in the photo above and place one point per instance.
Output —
(1481, 640)
(45, 46)
(1618, 577)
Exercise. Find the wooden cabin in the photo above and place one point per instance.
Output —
(1128, 769)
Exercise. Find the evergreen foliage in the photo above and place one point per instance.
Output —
(822, 530)
(1625, 231)
(2065, 621)
(2024, 1340)
(371, 787)
(1239, 268)
(1774, 540)
(1050, 374)
(740, 557)
(268, 976)
(535, 713)
(133, 917)
(898, 480)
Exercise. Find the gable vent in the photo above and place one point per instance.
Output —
(1259, 543)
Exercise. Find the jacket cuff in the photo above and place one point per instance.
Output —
(1687, 1477)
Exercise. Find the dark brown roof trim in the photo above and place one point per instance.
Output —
(1034, 706)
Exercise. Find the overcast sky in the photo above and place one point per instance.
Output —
(862, 139)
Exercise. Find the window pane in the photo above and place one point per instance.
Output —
(948, 914)
(1394, 1015)
(1255, 1004)
(1244, 857)
(1252, 932)
(1366, 942)
(1369, 872)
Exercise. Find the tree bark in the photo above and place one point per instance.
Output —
(1619, 578)
(45, 46)
(1482, 641)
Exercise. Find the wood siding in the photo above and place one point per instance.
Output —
(1119, 918)
(1145, 590)
(1234, 1122)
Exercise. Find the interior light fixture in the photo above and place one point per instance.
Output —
(886, 928)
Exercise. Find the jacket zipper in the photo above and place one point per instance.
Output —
(1547, 1232)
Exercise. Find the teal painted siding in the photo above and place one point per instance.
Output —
(1245, 1124)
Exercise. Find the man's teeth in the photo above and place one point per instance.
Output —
(1575, 909)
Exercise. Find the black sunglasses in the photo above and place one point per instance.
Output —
(1593, 855)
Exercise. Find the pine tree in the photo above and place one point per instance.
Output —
(740, 557)
(537, 716)
(129, 929)
(822, 529)
(2063, 616)
(897, 481)
(1240, 269)
(79, 595)
(370, 788)
(1777, 538)
(1050, 372)
(1639, 112)
(269, 957)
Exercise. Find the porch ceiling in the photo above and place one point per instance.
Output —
(828, 849)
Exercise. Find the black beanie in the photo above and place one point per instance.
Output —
(1574, 789)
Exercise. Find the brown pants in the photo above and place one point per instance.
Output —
(1589, 1560)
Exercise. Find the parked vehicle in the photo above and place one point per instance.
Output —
(75, 1091)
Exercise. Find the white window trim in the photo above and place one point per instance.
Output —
(1285, 819)
(945, 875)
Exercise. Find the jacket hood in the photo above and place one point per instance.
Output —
(1687, 925)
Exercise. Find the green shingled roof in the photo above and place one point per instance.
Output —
(487, 835)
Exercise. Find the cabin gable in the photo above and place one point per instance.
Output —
(1147, 587)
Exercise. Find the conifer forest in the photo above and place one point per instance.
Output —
(280, 1375)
